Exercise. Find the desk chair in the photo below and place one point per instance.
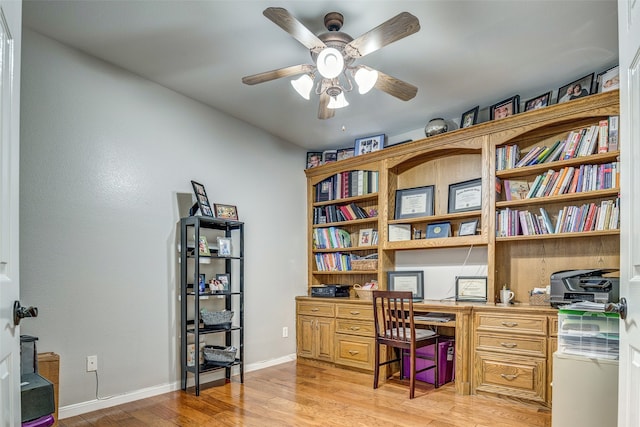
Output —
(395, 327)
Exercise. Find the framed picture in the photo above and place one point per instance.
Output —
(538, 102)
(608, 80)
(329, 156)
(399, 232)
(364, 236)
(345, 153)
(465, 196)
(438, 229)
(469, 118)
(224, 280)
(505, 108)
(314, 159)
(224, 246)
(468, 228)
(407, 281)
(226, 211)
(414, 202)
(201, 283)
(202, 201)
(576, 89)
(369, 144)
(203, 246)
(471, 288)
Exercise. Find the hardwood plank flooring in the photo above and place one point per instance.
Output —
(305, 394)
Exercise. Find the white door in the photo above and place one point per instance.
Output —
(629, 376)
(10, 33)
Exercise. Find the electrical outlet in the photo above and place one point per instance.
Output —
(285, 332)
(92, 363)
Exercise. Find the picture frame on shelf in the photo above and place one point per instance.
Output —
(414, 202)
(314, 159)
(468, 228)
(365, 236)
(224, 279)
(329, 156)
(438, 230)
(203, 246)
(505, 108)
(538, 102)
(608, 80)
(470, 117)
(202, 201)
(202, 283)
(224, 246)
(465, 196)
(576, 89)
(412, 281)
(399, 232)
(369, 144)
(471, 288)
(226, 211)
(345, 153)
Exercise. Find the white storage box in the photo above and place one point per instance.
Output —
(589, 334)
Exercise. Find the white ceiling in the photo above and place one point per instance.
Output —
(466, 53)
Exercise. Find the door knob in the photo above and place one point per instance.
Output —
(20, 312)
(620, 308)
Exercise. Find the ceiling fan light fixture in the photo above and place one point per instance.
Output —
(366, 79)
(337, 101)
(330, 63)
(303, 85)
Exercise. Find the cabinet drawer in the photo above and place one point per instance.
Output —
(514, 376)
(354, 311)
(355, 327)
(354, 351)
(512, 323)
(512, 344)
(316, 308)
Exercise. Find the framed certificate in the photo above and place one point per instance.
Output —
(407, 281)
(465, 196)
(471, 288)
(468, 228)
(414, 202)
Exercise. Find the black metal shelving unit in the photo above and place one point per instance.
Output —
(190, 267)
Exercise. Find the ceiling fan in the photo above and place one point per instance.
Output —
(334, 53)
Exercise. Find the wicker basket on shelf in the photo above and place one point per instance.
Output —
(365, 294)
(364, 264)
(219, 354)
(216, 319)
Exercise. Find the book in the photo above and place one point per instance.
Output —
(556, 153)
(603, 136)
(527, 157)
(547, 221)
(613, 133)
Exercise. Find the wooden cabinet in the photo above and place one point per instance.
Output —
(315, 328)
(355, 332)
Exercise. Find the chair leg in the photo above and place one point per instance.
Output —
(377, 366)
(436, 370)
(412, 373)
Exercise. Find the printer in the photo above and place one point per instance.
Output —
(570, 286)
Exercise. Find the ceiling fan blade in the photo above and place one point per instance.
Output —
(276, 74)
(396, 28)
(324, 112)
(395, 87)
(282, 18)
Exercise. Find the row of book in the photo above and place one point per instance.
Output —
(339, 213)
(570, 179)
(336, 261)
(600, 138)
(588, 217)
(347, 184)
(331, 237)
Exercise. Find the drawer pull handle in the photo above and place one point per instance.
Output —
(510, 324)
(355, 328)
(508, 344)
(353, 352)
(315, 309)
(355, 313)
(509, 376)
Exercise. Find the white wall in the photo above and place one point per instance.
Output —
(104, 154)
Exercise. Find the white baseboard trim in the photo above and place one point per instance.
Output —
(96, 404)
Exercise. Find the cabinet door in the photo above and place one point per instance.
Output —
(315, 337)
(305, 336)
(324, 338)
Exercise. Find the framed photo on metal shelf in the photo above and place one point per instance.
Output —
(576, 89)
(506, 108)
(226, 211)
(469, 118)
(201, 199)
(471, 288)
(468, 228)
(538, 102)
(224, 246)
(465, 196)
(369, 144)
(224, 281)
(407, 281)
(414, 202)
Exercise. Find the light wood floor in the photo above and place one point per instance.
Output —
(302, 394)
